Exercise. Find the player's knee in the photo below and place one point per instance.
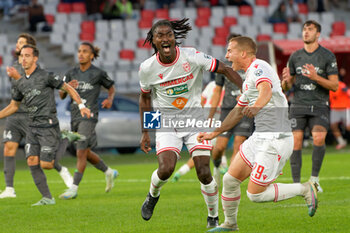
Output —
(258, 197)
(165, 171)
(203, 174)
(230, 183)
(9, 149)
(46, 165)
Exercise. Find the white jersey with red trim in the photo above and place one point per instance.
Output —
(176, 87)
(274, 116)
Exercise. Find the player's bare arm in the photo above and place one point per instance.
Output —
(107, 103)
(215, 99)
(232, 75)
(230, 121)
(73, 83)
(145, 105)
(330, 84)
(13, 73)
(265, 94)
(287, 79)
(10, 109)
(84, 111)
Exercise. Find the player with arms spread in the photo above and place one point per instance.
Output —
(172, 67)
(262, 156)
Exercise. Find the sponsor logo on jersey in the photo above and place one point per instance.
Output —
(180, 102)
(308, 87)
(152, 120)
(160, 76)
(301, 70)
(177, 81)
(207, 56)
(258, 72)
(83, 86)
(186, 66)
(177, 90)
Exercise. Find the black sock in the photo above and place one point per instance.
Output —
(217, 162)
(9, 169)
(101, 166)
(77, 178)
(317, 159)
(40, 180)
(295, 164)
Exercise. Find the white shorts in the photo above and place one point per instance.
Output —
(174, 141)
(266, 154)
(342, 116)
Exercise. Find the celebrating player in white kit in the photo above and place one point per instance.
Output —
(172, 80)
(263, 155)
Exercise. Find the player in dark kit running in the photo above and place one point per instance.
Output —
(16, 128)
(87, 79)
(313, 72)
(36, 90)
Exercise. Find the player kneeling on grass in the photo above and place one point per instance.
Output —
(263, 155)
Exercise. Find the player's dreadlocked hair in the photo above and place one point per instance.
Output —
(179, 27)
(94, 49)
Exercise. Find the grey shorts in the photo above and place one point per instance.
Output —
(86, 129)
(43, 142)
(16, 128)
(303, 116)
(244, 128)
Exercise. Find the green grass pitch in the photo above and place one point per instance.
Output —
(181, 206)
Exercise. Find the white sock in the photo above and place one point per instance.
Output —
(278, 192)
(74, 187)
(341, 140)
(211, 197)
(156, 184)
(184, 169)
(230, 198)
(314, 179)
(109, 170)
(224, 160)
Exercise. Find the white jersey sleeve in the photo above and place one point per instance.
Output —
(144, 82)
(261, 74)
(203, 60)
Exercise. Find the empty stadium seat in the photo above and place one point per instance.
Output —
(338, 28)
(219, 40)
(79, 7)
(280, 28)
(203, 12)
(222, 31)
(147, 15)
(0, 60)
(162, 14)
(141, 46)
(230, 21)
(145, 24)
(264, 3)
(87, 37)
(202, 22)
(50, 19)
(64, 8)
(246, 10)
(88, 27)
(263, 37)
(127, 54)
(303, 9)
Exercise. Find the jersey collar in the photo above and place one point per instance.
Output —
(169, 64)
(250, 65)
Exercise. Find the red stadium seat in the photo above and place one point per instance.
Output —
(264, 3)
(127, 54)
(88, 27)
(338, 28)
(230, 21)
(145, 24)
(50, 19)
(220, 41)
(0, 60)
(79, 7)
(202, 22)
(147, 15)
(64, 8)
(280, 28)
(141, 46)
(263, 37)
(162, 14)
(87, 37)
(302, 7)
(246, 10)
(222, 31)
(204, 12)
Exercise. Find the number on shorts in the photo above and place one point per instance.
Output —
(293, 122)
(259, 172)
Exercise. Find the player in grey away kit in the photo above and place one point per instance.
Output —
(36, 91)
(16, 128)
(88, 79)
(313, 72)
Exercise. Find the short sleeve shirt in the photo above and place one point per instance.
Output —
(90, 83)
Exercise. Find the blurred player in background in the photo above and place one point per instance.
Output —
(87, 79)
